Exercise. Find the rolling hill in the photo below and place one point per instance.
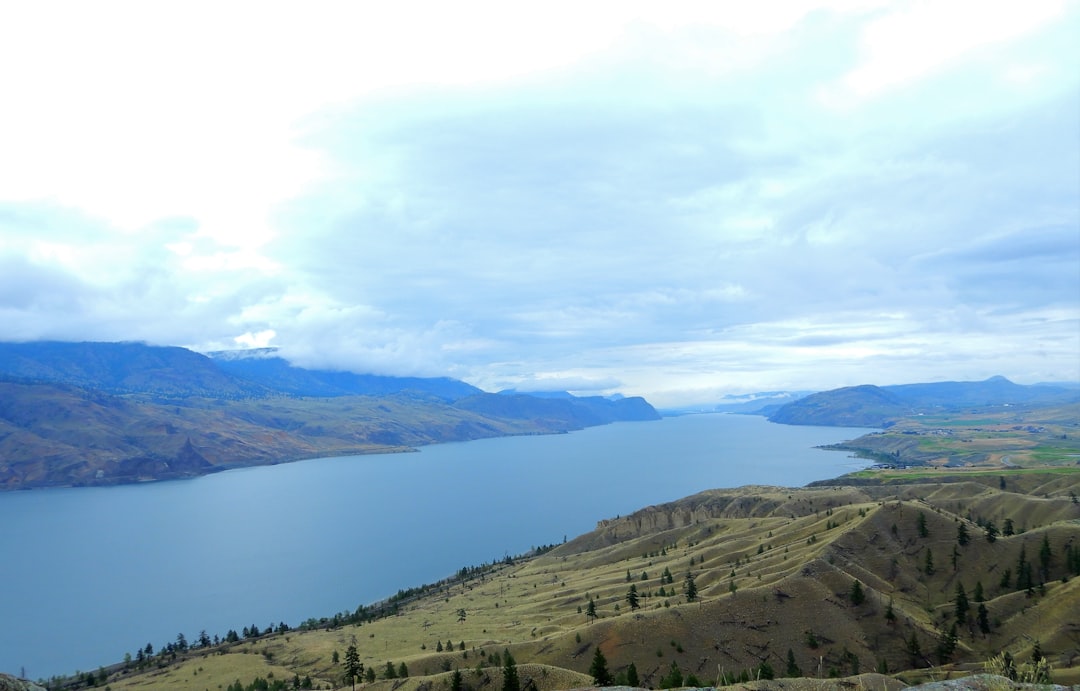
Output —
(853, 586)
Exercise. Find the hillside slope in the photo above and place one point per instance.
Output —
(881, 406)
(775, 573)
(92, 413)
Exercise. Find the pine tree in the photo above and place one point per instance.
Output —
(983, 617)
(1044, 558)
(921, 524)
(352, 665)
(632, 597)
(792, 668)
(455, 680)
(632, 679)
(928, 568)
(857, 596)
(961, 603)
(510, 675)
(690, 587)
(598, 669)
(890, 615)
(590, 611)
(962, 536)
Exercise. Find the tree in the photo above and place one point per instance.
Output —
(983, 617)
(792, 668)
(403, 671)
(352, 665)
(590, 611)
(962, 536)
(921, 525)
(455, 680)
(991, 532)
(632, 676)
(928, 568)
(1044, 558)
(890, 615)
(510, 675)
(961, 603)
(389, 672)
(946, 645)
(857, 595)
(690, 587)
(598, 669)
(674, 678)
(1008, 529)
(632, 597)
(914, 650)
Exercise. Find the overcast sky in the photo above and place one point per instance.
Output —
(677, 200)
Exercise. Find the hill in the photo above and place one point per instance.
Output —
(881, 406)
(106, 413)
(820, 582)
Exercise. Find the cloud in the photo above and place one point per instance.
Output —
(676, 202)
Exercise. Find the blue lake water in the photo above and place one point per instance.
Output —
(91, 573)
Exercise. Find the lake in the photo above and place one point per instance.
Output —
(89, 574)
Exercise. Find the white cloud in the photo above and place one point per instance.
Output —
(676, 199)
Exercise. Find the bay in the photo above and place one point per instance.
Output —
(89, 574)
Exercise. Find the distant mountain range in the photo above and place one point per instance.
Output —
(878, 406)
(108, 413)
(760, 403)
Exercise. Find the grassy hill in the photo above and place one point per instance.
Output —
(775, 570)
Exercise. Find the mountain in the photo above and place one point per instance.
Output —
(880, 406)
(123, 368)
(109, 413)
(264, 368)
(760, 403)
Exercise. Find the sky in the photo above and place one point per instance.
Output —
(675, 200)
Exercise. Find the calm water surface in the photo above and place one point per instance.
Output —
(89, 574)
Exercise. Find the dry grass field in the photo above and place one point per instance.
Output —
(774, 570)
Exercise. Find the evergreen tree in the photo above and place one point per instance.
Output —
(979, 596)
(403, 671)
(1008, 528)
(921, 525)
(690, 587)
(632, 676)
(510, 675)
(991, 532)
(598, 669)
(1044, 558)
(983, 617)
(389, 672)
(962, 536)
(673, 679)
(914, 650)
(928, 567)
(632, 598)
(890, 615)
(455, 681)
(961, 603)
(857, 596)
(946, 645)
(792, 668)
(353, 668)
(590, 611)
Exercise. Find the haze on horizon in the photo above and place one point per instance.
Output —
(677, 202)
